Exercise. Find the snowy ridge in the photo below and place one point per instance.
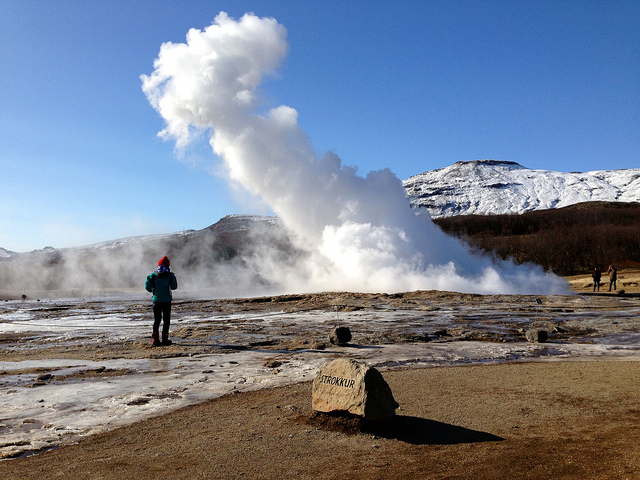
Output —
(480, 187)
(484, 187)
(4, 253)
(227, 224)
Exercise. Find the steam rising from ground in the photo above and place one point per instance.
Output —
(360, 232)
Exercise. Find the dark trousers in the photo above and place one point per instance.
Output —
(161, 313)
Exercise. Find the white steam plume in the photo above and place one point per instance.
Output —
(361, 232)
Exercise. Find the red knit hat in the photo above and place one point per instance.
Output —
(164, 261)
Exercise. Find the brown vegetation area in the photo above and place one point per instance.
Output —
(570, 240)
(560, 420)
(628, 282)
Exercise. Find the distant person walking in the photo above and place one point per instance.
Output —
(161, 283)
(613, 277)
(597, 275)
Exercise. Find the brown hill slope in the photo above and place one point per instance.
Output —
(570, 240)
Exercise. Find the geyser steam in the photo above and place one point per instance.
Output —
(361, 233)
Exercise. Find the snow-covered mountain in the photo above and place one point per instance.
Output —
(4, 253)
(475, 187)
(484, 187)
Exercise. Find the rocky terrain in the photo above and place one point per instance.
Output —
(487, 398)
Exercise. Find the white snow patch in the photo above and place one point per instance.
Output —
(485, 187)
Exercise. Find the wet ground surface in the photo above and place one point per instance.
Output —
(120, 328)
(74, 367)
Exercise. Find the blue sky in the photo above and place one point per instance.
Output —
(408, 85)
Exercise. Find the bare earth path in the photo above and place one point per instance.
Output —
(553, 420)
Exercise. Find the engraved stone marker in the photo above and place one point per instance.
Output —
(354, 387)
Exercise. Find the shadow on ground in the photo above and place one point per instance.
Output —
(413, 430)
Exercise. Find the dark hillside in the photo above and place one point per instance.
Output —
(571, 240)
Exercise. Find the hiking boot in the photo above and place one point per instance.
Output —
(156, 341)
(165, 339)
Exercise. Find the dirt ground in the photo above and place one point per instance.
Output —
(555, 420)
(628, 282)
(270, 323)
(533, 420)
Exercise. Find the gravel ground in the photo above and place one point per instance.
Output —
(572, 420)
(552, 419)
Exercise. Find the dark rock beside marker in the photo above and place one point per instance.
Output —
(345, 385)
(340, 336)
(536, 336)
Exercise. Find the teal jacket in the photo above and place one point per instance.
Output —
(161, 284)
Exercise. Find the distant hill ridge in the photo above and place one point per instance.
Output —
(480, 187)
(602, 229)
(570, 240)
(496, 187)
(217, 258)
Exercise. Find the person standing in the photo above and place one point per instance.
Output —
(161, 283)
(597, 275)
(613, 276)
